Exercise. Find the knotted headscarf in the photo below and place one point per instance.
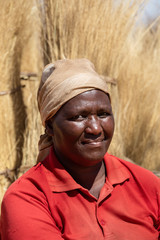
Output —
(60, 82)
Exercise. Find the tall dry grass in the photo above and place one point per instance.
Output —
(15, 19)
(139, 97)
(32, 62)
(99, 30)
(106, 34)
(33, 128)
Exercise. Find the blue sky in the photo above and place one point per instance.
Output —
(151, 11)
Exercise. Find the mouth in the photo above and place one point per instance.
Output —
(96, 142)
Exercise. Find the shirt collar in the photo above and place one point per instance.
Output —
(116, 172)
(60, 180)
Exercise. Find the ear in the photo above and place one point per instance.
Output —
(49, 128)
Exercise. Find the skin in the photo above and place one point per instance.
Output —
(82, 131)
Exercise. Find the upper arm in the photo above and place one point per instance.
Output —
(25, 216)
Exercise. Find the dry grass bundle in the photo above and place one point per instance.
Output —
(104, 33)
(32, 62)
(14, 17)
(140, 99)
(98, 30)
(33, 126)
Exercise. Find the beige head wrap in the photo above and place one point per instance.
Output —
(60, 82)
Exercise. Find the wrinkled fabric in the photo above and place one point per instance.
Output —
(60, 82)
(68, 79)
(47, 203)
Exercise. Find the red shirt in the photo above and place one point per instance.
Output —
(46, 203)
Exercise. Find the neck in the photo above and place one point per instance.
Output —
(91, 178)
(88, 176)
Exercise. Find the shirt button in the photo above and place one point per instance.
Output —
(103, 222)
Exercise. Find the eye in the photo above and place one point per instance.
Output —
(103, 114)
(77, 118)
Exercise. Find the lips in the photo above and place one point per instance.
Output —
(93, 142)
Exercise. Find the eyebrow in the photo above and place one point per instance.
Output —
(82, 110)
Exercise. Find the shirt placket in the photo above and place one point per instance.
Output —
(101, 216)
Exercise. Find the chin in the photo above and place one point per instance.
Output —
(91, 160)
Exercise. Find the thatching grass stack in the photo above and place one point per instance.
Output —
(97, 30)
(14, 17)
(32, 64)
(139, 98)
(106, 34)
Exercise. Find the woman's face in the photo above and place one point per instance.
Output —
(83, 128)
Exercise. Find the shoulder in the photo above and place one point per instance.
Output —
(138, 171)
(30, 185)
(25, 209)
(28, 195)
(138, 174)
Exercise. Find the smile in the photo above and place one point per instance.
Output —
(93, 143)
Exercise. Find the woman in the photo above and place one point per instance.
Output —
(79, 191)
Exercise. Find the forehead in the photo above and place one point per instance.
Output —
(86, 101)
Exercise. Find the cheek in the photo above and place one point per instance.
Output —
(68, 130)
(109, 127)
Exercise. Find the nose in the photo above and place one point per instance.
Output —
(93, 126)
